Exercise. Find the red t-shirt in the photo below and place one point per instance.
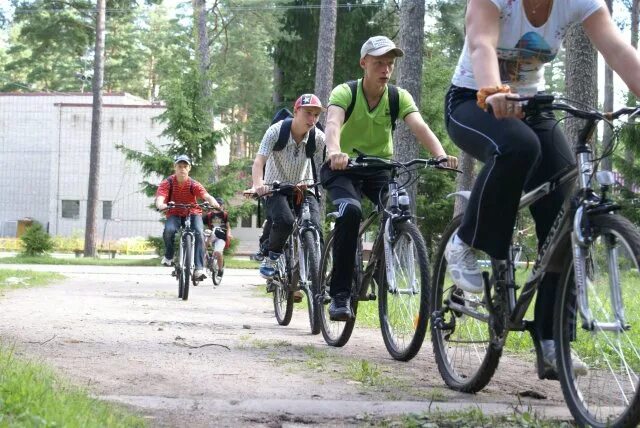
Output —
(187, 193)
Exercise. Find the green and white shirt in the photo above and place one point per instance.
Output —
(369, 130)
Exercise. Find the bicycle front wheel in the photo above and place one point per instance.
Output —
(404, 306)
(335, 333)
(599, 358)
(312, 289)
(186, 267)
(216, 278)
(282, 295)
(465, 356)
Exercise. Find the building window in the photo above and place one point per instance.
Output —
(70, 209)
(106, 210)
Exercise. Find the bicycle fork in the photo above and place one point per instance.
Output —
(581, 257)
(302, 262)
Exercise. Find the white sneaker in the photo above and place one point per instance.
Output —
(166, 262)
(462, 266)
(199, 275)
(549, 359)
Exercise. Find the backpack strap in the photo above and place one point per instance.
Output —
(170, 190)
(353, 85)
(283, 135)
(394, 104)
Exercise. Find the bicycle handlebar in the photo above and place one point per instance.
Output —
(278, 187)
(364, 161)
(546, 102)
(203, 205)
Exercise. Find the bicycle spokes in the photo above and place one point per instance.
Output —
(600, 341)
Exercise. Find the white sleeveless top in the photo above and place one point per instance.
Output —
(523, 49)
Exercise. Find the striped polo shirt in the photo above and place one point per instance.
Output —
(289, 165)
(182, 194)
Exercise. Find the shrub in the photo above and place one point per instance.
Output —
(36, 240)
(157, 243)
(233, 246)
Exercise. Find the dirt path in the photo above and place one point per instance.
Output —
(220, 359)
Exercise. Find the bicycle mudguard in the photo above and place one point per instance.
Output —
(465, 194)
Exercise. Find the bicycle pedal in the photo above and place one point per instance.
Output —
(173, 274)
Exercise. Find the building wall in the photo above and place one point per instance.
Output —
(44, 159)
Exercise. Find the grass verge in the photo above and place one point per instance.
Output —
(475, 418)
(32, 395)
(11, 279)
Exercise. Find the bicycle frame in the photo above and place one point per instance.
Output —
(384, 240)
(569, 223)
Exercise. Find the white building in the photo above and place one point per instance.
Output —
(45, 144)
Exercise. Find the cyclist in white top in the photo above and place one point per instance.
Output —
(506, 47)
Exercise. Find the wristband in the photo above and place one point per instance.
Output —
(483, 93)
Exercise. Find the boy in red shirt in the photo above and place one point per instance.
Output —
(181, 189)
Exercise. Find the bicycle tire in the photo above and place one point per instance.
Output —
(283, 295)
(186, 268)
(466, 376)
(214, 270)
(401, 314)
(335, 333)
(312, 258)
(180, 282)
(590, 393)
(179, 263)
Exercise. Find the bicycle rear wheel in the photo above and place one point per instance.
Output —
(599, 362)
(404, 309)
(282, 295)
(186, 267)
(465, 356)
(311, 253)
(335, 333)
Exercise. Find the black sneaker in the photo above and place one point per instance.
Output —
(340, 307)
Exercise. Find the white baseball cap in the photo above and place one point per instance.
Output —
(378, 46)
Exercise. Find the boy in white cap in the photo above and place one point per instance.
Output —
(361, 115)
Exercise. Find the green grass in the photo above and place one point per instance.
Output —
(11, 279)
(475, 418)
(31, 395)
(369, 374)
(48, 260)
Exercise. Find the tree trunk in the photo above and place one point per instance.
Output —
(204, 63)
(607, 134)
(325, 57)
(326, 51)
(409, 71)
(200, 11)
(277, 84)
(96, 126)
(631, 98)
(464, 181)
(581, 75)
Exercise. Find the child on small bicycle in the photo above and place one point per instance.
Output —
(181, 189)
(218, 223)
